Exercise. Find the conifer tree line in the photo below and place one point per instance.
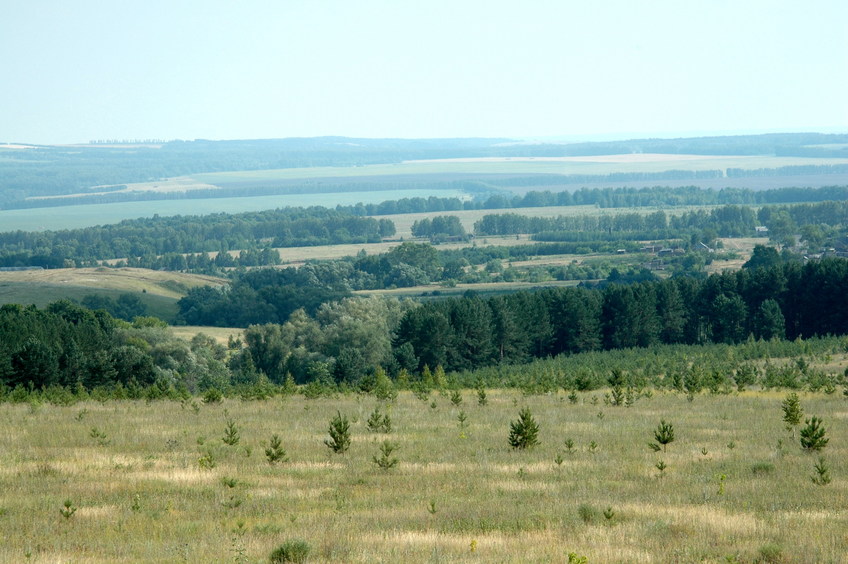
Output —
(344, 342)
(784, 301)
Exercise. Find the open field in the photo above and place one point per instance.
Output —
(297, 255)
(482, 289)
(330, 186)
(69, 217)
(593, 165)
(158, 290)
(220, 334)
(736, 487)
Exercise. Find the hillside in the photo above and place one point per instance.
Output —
(159, 291)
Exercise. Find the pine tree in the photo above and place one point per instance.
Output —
(524, 433)
(813, 435)
(664, 435)
(792, 412)
(339, 431)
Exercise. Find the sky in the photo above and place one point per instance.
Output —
(81, 70)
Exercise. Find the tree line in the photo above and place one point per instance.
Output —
(152, 237)
(144, 242)
(776, 300)
(69, 346)
(348, 340)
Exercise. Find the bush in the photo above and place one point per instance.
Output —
(212, 395)
(294, 550)
(770, 553)
(588, 514)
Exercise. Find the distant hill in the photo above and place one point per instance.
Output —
(28, 172)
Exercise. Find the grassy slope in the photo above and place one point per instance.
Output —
(158, 290)
(457, 495)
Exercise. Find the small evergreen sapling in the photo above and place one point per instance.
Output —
(822, 475)
(482, 398)
(813, 435)
(524, 433)
(456, 397)
(664, 435)
(792, 412)
(379, 422)
(386, 461)
(275, 452)
(68, 509)
(339, 431)
(231, 433)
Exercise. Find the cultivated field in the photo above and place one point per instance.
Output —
(329, 186)
(592, 165)
(70, 217)
(154, 482)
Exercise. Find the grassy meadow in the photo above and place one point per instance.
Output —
(154, 482)
(159, 290)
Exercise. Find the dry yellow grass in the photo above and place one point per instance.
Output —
(220, 334)
(167, 284)
(458, 495)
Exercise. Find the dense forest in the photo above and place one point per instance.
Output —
(69, 346)
(350, 341)
(784, 300)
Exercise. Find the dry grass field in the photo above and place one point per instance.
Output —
(220, 334)
(159, 291)
(154, 482)
(166, 284)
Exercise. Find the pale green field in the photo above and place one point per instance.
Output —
(736, 488)
(70, 217)
(608, 164)
(97, 214)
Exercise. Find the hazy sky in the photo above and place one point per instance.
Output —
(76, 70)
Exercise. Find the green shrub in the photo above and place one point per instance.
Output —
(231, 433)
(758, 468)
(770, 553)
(822, 475)
(379, 422)
(792, 412)
(212, 395)
(588, 514)
(295, 550)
